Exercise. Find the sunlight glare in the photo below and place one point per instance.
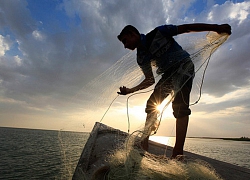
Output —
(167, 111)
(163, 140)
(138, 112)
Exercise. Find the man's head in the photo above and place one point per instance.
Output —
(130, 37)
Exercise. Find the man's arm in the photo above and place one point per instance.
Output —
(148, 81)
(198, 27)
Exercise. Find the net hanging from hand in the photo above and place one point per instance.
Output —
(128, 162)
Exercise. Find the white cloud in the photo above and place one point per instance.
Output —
(38, 35)
(238, 94)
(229, 11)
(240, 11)
(174, 11)
(5, 44)
(18, 60)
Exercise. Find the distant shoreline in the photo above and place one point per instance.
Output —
(231, 139)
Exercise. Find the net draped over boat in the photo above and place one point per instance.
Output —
(130, 161)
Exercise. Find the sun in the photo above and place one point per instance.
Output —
(167, 110)
(160, 107)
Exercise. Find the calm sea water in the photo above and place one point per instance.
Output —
(43, 154)
(39, 154)
(233, 152)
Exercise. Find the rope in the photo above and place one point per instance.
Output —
(109, 108)
(200, 88)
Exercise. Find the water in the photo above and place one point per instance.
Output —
(39, 154)
(233, 152)
(42, 154)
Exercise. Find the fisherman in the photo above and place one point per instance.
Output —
(160, 46)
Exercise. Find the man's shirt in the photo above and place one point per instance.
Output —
(160, 47)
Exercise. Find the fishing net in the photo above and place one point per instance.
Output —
(101, 93)
(135, 164)
(130, 162)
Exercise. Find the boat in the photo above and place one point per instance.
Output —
(104, 140)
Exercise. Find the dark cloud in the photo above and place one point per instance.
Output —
(16, 17)
(229, 67)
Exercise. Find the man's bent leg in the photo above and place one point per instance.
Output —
(181, 131)
(144, 143)
(162, 89)
(150, 126)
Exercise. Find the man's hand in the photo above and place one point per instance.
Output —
(224, 28)
(124, 91)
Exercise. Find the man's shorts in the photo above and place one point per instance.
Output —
(178, 80)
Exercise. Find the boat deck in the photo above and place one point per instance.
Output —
(103, 139)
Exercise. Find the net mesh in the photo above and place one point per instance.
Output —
(135, 164)
(130, 161)
(97, 95)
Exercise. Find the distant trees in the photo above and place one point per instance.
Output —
(244, 138)
(238, 139)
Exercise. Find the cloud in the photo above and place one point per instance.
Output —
(5, 44)
(233, 11)
(229, 66)
(42, 68)
(16, 17)
(38, 35)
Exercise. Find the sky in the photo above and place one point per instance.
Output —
(50, 50)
